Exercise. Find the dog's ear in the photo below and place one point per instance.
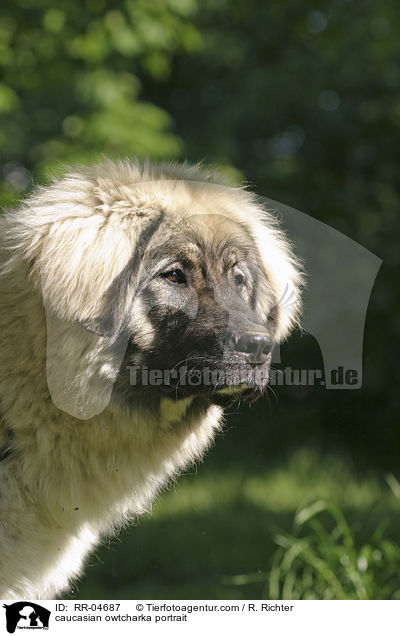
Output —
(84, 357)
(285, 273)
(282, 270)
(119, 296)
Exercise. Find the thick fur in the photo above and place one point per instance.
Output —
(65, 480)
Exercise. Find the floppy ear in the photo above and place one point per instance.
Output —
(84, 357)
(80, 261)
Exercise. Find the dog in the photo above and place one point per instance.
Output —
(137, 301)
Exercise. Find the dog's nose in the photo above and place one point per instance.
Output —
(256, 346)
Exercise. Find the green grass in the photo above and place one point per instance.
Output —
(326, 559)
(308, 527)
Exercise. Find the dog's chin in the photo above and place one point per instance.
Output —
(219, 383)
(223, 396)
(244, 381)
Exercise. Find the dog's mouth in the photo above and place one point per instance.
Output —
(224, 397)
(221, 382)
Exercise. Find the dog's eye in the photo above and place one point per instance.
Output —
(174, 276)
(238, 278)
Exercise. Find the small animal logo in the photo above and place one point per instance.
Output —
(26, 615)
(194, 377)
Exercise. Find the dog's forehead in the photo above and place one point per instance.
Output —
(203, 239)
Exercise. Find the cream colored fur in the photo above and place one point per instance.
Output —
(71, 480)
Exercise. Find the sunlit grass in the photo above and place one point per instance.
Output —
(325, 559)
(308, 527)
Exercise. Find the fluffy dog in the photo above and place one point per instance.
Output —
(136, 302)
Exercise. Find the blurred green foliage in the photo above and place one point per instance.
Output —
(300, 99)
(70, 90)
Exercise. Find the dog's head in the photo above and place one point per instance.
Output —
(156, 281)
(196, 325)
